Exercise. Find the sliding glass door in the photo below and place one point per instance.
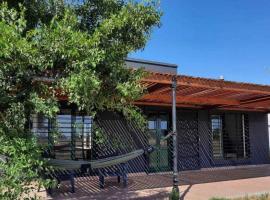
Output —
(158, 126)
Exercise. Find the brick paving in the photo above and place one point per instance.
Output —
(194, 185)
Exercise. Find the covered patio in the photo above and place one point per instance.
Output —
(189, 101)
(194, 185)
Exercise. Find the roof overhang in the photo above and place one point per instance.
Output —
(194, 92)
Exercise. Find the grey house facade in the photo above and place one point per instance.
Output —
(219, 123)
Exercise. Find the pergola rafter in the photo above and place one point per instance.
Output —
(192, 100)
(196, 92)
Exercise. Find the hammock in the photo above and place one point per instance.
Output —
(94, 164)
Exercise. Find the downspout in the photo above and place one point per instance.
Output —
(174, 135)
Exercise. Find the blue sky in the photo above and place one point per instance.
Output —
(209, 38)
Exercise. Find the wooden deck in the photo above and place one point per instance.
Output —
(157, 186)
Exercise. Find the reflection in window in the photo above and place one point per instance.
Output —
(151, 125)
(40, 128)
(74, 134)
(82, 135)
(163, 125)
(230, 136)
(152, 129)
(216, 123)
(63, 125)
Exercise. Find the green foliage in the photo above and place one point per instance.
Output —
(103, 140)
(51, 48)
(174, 195)
(21, 171)
(38, 11)
(88, 66)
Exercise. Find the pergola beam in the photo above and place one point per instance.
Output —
(256, 100)
(158, 89)
(208, 83)
(243, 109)
(203, 92)
(149, 103)
(190, 100)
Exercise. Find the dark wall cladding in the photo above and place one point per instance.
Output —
(121, 137)
(205, 144)
(195, 149)
(188, 140)
(257, 142)
(194, 140)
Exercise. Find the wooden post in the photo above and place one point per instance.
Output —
(174, 136)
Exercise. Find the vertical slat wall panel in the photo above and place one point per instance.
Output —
(120, 137)
(188, 140)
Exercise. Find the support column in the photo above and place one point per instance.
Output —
(174, 136)
(73, 133)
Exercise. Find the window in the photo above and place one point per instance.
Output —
(74, 134)
(216, 122)
(230, 138)
(40, 128)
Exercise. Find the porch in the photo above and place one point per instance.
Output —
(213, 136)
(194, 185)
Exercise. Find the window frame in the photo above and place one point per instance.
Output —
(220, 117)
(245, 134)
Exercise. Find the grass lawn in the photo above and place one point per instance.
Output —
(256, 197)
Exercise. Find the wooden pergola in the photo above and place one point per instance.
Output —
(202, 93)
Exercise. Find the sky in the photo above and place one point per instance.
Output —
(210, 38)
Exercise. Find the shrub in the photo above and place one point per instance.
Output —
(20, 174)
(174, 195)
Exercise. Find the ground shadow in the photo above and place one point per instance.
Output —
(140, 184)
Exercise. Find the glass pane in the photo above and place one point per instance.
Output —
(87, 132)
(82, 136)
(40, 128)
(63, 145)
(158, 126)
(64, 126)
(216, 124)
(151, 125)
(163, 125)
(234, 137)
(163, 143)
(152, 138)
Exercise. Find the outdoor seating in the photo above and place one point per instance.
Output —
(67, 169)
(119, 170)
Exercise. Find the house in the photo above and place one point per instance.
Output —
(219, 123)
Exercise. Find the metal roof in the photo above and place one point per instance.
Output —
(151, 62)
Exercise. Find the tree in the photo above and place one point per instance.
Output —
(38, 11)
(79, 53)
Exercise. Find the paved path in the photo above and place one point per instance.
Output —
(196, 185)
(235, 188)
